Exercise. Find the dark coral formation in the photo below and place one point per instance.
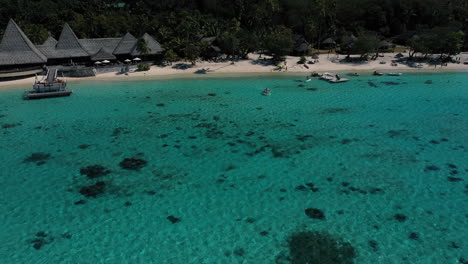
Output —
(239, 252)
(93, 190)
(398, 133)
(133, 163)
(5, 126)
(390, 83)
(431, 168)
(173, 219)
(80, 202)
(319, 247)
(334, 110)
(37, 157)
(308, 186)
(315, 213)
(94, 171)
(374, 245)
(400, 217)
(41, 240)
(454, 179)
(414, 236)
(84, 146)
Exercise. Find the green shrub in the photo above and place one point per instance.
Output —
(302, 60)
(143, 67)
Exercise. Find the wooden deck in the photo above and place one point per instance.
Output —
(19, 74)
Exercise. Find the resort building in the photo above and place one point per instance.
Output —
(18, 53)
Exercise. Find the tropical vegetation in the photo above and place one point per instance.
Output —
(243, 26)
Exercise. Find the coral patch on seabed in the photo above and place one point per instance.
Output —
(93, 190)
(313, 247)
(315, 213)
(133, 163)
(173, 219)
(41, 240)
(37, 156)
(94, 171)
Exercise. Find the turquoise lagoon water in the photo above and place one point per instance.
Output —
(230, 173)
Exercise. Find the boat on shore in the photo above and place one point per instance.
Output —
(377, 73)
(332, 77)
(49, 86)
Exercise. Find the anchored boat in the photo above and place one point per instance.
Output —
(49, 86)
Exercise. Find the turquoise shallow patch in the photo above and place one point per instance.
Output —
(211, 171)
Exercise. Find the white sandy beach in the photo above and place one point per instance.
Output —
(254, 65)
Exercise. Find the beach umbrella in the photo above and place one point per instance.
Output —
(137, 59)
(105, 61)
(127, 60)
(98, 62)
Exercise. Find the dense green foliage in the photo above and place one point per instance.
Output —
(241, 26)
(143, 67)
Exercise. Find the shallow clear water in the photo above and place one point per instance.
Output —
(237, 169)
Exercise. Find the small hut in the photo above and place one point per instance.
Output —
(301, 45)
(329, 43)
(211, 49)
(384, 45)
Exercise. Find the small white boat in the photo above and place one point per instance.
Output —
(308, 79)
(394, 73)
(327, 76)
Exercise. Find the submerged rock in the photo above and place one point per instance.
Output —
(133, 163)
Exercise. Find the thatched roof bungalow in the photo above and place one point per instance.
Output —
(68, 48)
(17, 50)
(50, 41)
(301, 45)
(127, 46)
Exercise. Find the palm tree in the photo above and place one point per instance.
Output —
(142, 47)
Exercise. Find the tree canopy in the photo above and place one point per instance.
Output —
(240, 25)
